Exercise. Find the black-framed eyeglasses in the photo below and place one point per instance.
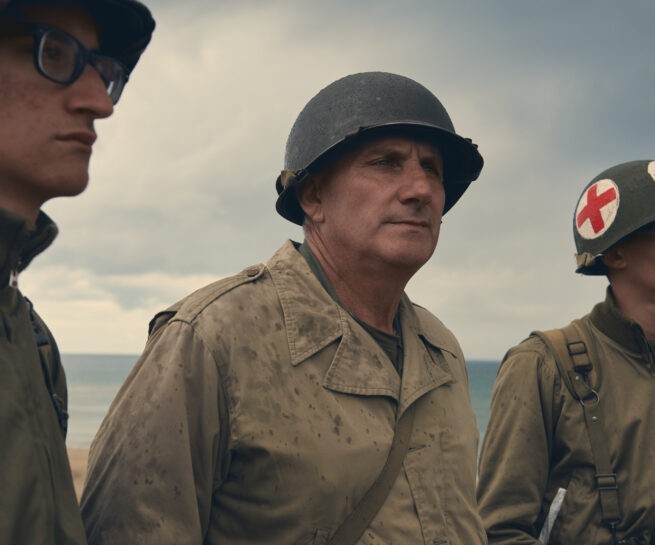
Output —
(61, 58)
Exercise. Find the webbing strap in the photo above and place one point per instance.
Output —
(575, 366)
(44, 345)
(606, 482)
(361, 516)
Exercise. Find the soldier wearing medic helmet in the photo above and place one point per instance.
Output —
(265, 405)
(567, 456)
(63, 65)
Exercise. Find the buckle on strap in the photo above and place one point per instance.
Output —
(576, 348)
(606, 481)
(580, 357)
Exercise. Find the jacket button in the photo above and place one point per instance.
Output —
(252, 271)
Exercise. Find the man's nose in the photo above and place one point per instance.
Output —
(417, 184)
(88, 93)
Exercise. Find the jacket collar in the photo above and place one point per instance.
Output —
(609, 319)
(314, 320)
(21, 241)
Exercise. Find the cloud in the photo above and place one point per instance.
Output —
(109, 314)
(491, 307)
(182, 175)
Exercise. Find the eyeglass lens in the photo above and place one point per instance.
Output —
(62, 59)
(58, 56)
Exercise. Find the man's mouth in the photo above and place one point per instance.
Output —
(411, 221)
(84, 137)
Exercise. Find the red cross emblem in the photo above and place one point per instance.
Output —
(597, 209)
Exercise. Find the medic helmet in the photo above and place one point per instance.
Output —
(359, 105)
(614, 204)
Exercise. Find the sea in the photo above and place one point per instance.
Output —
(94, 380)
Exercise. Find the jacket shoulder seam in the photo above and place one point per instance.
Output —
(193, 305)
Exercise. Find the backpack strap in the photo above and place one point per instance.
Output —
(361, 516)
(49, 358)
(569, 346)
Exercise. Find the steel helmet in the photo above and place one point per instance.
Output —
(359, 105)
(617, 202)
(127, 25)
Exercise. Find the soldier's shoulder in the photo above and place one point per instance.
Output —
(539, 341)
(530, 354)
(531, 344)
(192, 306)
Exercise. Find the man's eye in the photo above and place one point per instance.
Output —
(52, 52)
(384, 162)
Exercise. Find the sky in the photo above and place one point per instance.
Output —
(182, 176)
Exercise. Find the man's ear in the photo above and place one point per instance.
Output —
(309, 197)
(614, 258)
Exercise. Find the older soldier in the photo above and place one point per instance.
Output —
(568, 453)
(266, 404)
(63, 64)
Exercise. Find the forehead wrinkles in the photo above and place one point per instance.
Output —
(400, 146)
(384, 145)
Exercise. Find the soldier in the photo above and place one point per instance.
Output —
(265, 404)
(63, 64)
(567, 456)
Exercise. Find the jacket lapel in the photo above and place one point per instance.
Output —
(424, 369)
(359, 367)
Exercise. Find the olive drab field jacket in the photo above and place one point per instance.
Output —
(536, 442)
(37, 498)
(260, 413)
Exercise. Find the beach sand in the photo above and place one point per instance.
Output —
(78, 458)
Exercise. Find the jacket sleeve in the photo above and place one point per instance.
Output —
(516, 451)
(156, 459)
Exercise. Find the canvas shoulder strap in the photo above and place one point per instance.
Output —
(49, 357)
(570, 348)
(361, 516)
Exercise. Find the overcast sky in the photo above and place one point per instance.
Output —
(182, 176)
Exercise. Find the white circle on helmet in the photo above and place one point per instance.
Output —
(597, 209)
(651, 169)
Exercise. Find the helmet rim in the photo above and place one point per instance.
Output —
(457, 178)
(355, 107)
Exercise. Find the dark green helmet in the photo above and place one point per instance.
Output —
(357, 106)
(617, 202)
(126, 25)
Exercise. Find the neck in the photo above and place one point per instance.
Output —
(17, 203)
(636, 307)
(371, 293)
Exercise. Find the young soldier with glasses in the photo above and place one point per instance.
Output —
(63, 64)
